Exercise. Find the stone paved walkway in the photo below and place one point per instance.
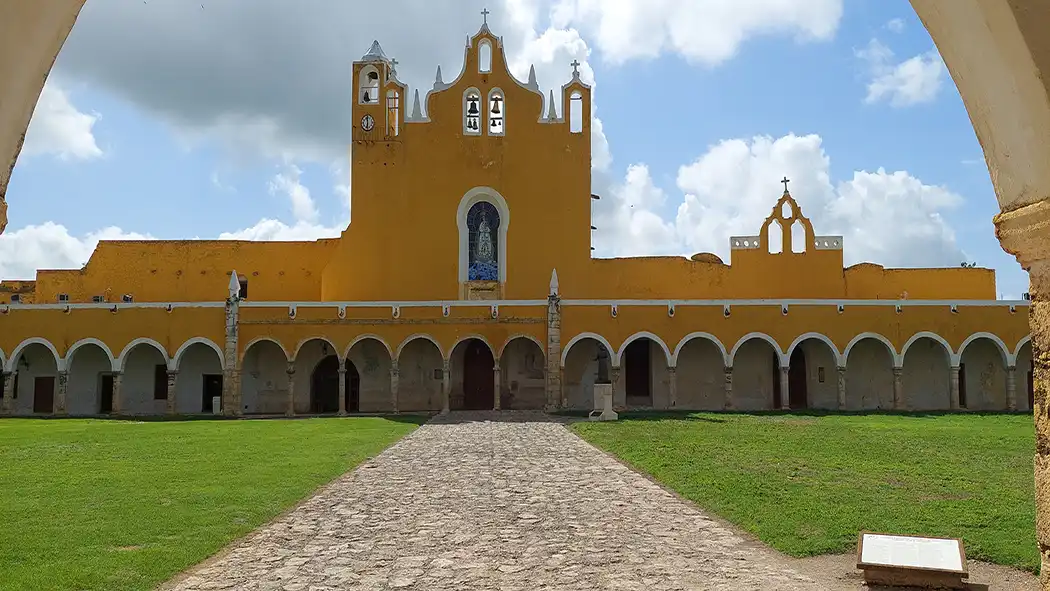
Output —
(506, 502)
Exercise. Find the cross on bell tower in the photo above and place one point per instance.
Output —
(575, 68)
(785, 180)
(485, 16)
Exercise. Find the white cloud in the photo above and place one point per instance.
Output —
(51, 246)
(911, 82)
(895, 25)
(59, 129)
(704, 31)
(287, 183)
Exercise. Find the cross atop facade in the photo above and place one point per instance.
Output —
(393, 62)
(485, 15)
(575, 67)
(785, 180)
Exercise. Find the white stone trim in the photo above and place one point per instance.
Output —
(367, 337)
(699, 335)
(425, 337)
(952, 357)
(1021, 343)
(896, 358)
(118, 364)
(473, 196)
(840, 361)
(528, 337)
(176, 360)
(3, 360)
(322, 338)
(745, 242)
(1009, 360)
(258, 340)
(468, 337)
(9, 364)
(644, 334)
(827, 242)
(586, 335)
(757, 335)
(68, 360)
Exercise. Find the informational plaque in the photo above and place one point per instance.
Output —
(911, 560)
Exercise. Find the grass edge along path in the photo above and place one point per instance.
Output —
(807, 483)
(125, 505)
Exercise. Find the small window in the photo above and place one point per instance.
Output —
(127, 298)
(497, 112)
(472, 112)
(393, 113)
(98, 299)
(242, 293)
(63, 297)
(160, 382)
(16, 298)
(368, 86)
(576, 113)
(439, 374)
(485, 57)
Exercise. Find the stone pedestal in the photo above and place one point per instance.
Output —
(603, 404)
(912, 579)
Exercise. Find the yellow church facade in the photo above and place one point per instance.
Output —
(488, 295)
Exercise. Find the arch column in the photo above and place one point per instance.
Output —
(1011, 387)
(290, 410)
(9, 392)
(173, 375)
(62, 389)
(497, 382)
(395, 383)
(118, 379)
(953, 375)
(841, 370)
(672, 387)
(729, 387)
(446, 385)
(898, 388)
(342, 389)
(785, 386)
(614, 377)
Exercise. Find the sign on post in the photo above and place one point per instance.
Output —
(906, 560)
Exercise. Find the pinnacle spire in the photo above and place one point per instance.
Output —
(554, 282)
(416, 111)
(235, 284)
(552, 114)
(532, 78)
(375, 53)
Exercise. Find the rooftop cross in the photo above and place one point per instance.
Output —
(785, 180)
(575, 67)
(393, 64)
(485, 15)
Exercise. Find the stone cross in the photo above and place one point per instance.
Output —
(485, 15)
(393, 65)
(575, 67)
(785, 180)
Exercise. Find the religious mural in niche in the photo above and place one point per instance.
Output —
(482, 242)
(472, 115)
(496, 108)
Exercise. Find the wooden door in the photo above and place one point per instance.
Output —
(478, 376)
(44, 395)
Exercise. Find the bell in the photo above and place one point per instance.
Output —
(495, 105)
(472, 107)
(494, 123)
(366, 98)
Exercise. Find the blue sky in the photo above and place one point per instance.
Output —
(225, 126)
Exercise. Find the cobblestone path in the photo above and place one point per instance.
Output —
(507, 502)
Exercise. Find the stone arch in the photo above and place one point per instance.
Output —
(522, 335)
(756, 335)
(468, 337)
(59, 361)
(952, 357)
(299, 346)
(416, 337)
(472, 107)
(177, 358)
(582, 336)
(368, 86)
(258, 340)
(699, 335)
(642, 335)
(840, 361)
(367, 337)
(1025, 340)
(469, 199)
(122, 358)
(897, 358)
(496, 112)
(87, 341)
(1007, 356)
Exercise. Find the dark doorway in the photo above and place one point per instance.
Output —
(798, 396)
(1031, 389)
(44, 395)
(324, 386)
(776, 381)
(210, 388)
(353, 388)
(478, 376)
(105, 394)
(962, 385)
(638, 371)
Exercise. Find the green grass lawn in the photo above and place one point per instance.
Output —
(117, 505)
(807, 484)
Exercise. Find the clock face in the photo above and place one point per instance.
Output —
(367, 123)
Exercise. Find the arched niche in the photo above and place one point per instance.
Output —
(483, 220)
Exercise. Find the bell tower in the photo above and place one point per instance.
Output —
(370, 77)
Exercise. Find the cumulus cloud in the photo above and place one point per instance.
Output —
(59, 129)
(51, 246)
(913, 81)
(287, 184)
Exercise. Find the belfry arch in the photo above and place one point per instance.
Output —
(995, 50)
